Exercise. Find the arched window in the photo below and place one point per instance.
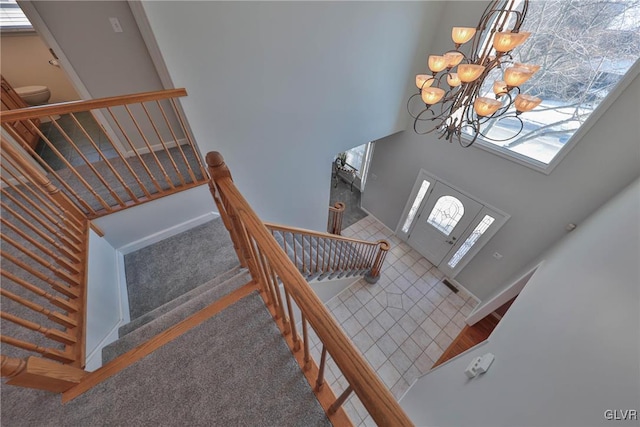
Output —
(446, 213)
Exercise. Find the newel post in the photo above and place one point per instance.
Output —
(374, 274)
(219, 170)
(336, 213)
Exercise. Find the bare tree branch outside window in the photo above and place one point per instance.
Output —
(584, 47)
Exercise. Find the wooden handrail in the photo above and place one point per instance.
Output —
(9, 116)
(374, 395)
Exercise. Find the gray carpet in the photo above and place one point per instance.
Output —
(155, 322)
(232, 370)
(165, 270)
(103, 169)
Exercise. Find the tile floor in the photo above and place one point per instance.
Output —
(402, 324)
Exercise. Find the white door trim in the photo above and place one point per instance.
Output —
(140, 16)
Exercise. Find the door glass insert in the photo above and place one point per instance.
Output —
(471, 240)
(446, 213)
(416, 204)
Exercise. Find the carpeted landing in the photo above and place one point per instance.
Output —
(165, 270)
(232, 370)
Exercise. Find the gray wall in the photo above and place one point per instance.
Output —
(567, 349)
(280, 87)
(603, 162)
(108, 63)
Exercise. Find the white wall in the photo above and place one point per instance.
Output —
(280, 87)
(107, 300)
(569, 346)
(25, 62)
(603, 162)
(142, 225)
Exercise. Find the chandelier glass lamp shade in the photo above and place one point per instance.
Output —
(453, 102)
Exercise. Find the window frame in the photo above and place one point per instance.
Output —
(599, 111)
(8, 30)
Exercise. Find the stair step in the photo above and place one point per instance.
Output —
(154, 314)
(156, 326)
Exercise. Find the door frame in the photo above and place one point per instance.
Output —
(500, 219)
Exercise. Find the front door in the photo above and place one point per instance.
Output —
(445, 215)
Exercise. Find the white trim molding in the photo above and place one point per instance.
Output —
(166, 233)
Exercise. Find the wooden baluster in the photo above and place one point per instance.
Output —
(43, 180)
(340, 400)
(323, 362)
(35, 372)
(49, 353)
(276, 287)
(70, 232)
(135, 151)
(51, 204)
(304, 258)
(73, 246)
(325, 261)
(265, 279)
(153, 153)
(65, 263)
(71, 279)
(54, 316)
(52, 334)
(64, 250)
(164, 145)
(125, 163)
(227, 223)
(177, 141)
(71, 168)
(40, 220)
(105, 159)
(305, 339)
(187, 134)
(90, 166)
(292, 321)
(62, 303)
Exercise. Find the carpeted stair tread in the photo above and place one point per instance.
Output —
(234, 369)
(172, 317)
(194, 293)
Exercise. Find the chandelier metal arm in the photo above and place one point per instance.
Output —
(457, 77)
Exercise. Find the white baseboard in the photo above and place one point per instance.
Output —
(155, 147)
(166, 233)
(458, 285)
(376, 218)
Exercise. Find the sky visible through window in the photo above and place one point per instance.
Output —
(584, 48)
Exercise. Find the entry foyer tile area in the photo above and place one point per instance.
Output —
(402, 324)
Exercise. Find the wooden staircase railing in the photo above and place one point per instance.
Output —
(140, 149)
(47, 205)
(276, 275)
(336, 212)
(323, 255)
(44, 250)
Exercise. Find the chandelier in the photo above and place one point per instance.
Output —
(453, 103)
